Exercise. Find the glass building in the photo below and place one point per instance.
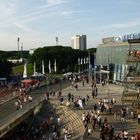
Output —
(115, 53)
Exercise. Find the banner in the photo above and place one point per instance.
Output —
(25, 71)
(50, 67)
(55, 66)
(43, 72)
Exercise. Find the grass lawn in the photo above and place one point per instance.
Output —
(19, 69)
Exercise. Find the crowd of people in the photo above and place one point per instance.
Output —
(92, 120)
(44, 130)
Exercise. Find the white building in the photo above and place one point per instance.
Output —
(31, 51)
(14, 61)
(79, 42)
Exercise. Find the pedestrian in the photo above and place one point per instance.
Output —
(115, 115)
(93, 93)
(95, 107)
(80, 103)
(111, 132)
(61, 100)
(84, 101)
(139, 118)
(110, 109)
(72, 97)
(58, 121)
(30, 99)
(132, 137)
(132, 115)
(88, 97)
(17, 105)
(99, 121)
(69, 96)
(83, 82)
(125, 135)
(122, 115)
(89, 131)
(76, 87)
(47, 96)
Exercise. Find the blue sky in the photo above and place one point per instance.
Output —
(38, 22)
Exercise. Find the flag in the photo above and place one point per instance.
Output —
(34, 69)
(25, 71)
(78, 61)
(87, 60)
(43, 72)
(55, 66)
(84, 60)
(49, 66)
(81, 61)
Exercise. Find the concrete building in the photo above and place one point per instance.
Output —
(79, 42)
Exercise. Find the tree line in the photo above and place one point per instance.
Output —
(66, 58)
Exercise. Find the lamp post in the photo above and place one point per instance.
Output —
(89, 67)
(18, 39)
(108, 76)
(100, 71)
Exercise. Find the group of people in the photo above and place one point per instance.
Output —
(93, 120)
(23, 100)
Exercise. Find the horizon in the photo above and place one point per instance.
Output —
(37, 23)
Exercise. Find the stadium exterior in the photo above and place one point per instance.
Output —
(113, 52)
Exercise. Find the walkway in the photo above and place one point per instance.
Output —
(103, 92)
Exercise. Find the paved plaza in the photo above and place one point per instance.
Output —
(72, 117)
(107, 91)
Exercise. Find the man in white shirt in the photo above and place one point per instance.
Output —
(139, 118)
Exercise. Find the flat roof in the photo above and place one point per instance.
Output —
(134, 41)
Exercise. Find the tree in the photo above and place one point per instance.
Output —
(66, 57)
(5, 69)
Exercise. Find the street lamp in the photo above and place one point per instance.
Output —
(108, 75)
(89, 67)
(18, 39)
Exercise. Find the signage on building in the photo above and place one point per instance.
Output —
(126, 37)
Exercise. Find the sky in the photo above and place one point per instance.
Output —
(38, 22)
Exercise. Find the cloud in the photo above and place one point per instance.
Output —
(41, 11)
(121, 26)
(70, 12)
(7, 8)
(25, 28)
(54, 2)
(127, 2)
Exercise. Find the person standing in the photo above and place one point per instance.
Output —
(69, 96)
(139, 118)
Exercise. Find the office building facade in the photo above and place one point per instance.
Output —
(79, 42)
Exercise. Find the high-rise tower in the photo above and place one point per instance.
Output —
(79, 42)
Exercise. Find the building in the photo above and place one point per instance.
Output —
(114, 52)
(79, 42)
(31, 51)
(14, 61)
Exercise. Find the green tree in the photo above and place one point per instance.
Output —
(5, 69)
